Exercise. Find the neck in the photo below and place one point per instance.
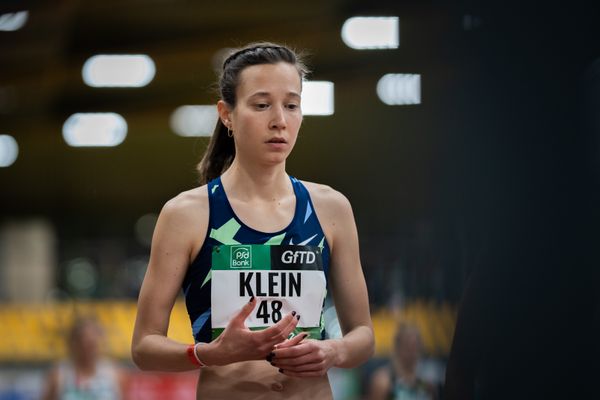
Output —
(268, 183)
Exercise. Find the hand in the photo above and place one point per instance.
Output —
(306, 359)
(238, 343)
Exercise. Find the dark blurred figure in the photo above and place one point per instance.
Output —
(86, 375)
(524, 324)
(399, 379)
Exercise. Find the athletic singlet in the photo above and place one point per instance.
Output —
(103, 385)
(282, 269)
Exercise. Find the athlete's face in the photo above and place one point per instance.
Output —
(267, 116)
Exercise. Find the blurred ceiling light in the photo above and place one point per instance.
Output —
(13, 21)
(9, 150)
(371, 32)
(399, 89)
(194, 120)
(94, 130)
(82, 276)
(104, 70)
(317, 98)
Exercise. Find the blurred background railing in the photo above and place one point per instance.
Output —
(45, 327)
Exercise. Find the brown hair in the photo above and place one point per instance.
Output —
(221, 148)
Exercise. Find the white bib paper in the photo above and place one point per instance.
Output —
(283, 279)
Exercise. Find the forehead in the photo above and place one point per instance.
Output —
(271, 78)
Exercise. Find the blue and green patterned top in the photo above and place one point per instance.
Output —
(225, 228)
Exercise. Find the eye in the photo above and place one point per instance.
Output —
(293, 106)
(261, 106)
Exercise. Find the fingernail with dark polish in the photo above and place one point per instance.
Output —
(298, 317)
(251, 299)
(293, 313)
(270, 358)
(280, 370)
(272, 363)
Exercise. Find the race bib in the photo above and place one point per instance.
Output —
(283, 278)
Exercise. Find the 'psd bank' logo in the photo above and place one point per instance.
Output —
(241, 257)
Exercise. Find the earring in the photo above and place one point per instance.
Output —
(229, 133)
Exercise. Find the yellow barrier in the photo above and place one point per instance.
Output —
(37, 333)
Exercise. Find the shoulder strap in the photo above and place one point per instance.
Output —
(306, 209)
(219, 209)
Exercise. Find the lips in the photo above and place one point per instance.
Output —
(277, 140)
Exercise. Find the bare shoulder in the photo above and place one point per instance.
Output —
(327, 198)
(182, 222)
(190, 204)
(333, 210)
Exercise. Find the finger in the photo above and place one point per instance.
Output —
(287, 343)
(276, 329)
(288, 328)
(305, 362)
(244, 313)
(295, 351)
(293, 341)
(280, 331)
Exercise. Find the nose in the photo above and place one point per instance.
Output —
(278, 119)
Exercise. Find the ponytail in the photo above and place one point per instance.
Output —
(218, 156)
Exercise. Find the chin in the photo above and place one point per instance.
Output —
(277, 159)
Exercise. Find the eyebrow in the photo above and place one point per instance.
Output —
(258, 94)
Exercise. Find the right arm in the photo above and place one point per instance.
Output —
(182, 221)
(169, 257)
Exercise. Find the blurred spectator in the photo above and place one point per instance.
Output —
(86, 375)
(399, 379)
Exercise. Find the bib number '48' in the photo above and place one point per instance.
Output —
(283, 278)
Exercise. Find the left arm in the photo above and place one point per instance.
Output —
(347, 283)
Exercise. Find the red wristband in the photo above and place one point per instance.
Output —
(191, 353)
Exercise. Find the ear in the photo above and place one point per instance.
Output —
(224, 111)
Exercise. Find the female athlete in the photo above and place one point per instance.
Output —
(254, 251)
